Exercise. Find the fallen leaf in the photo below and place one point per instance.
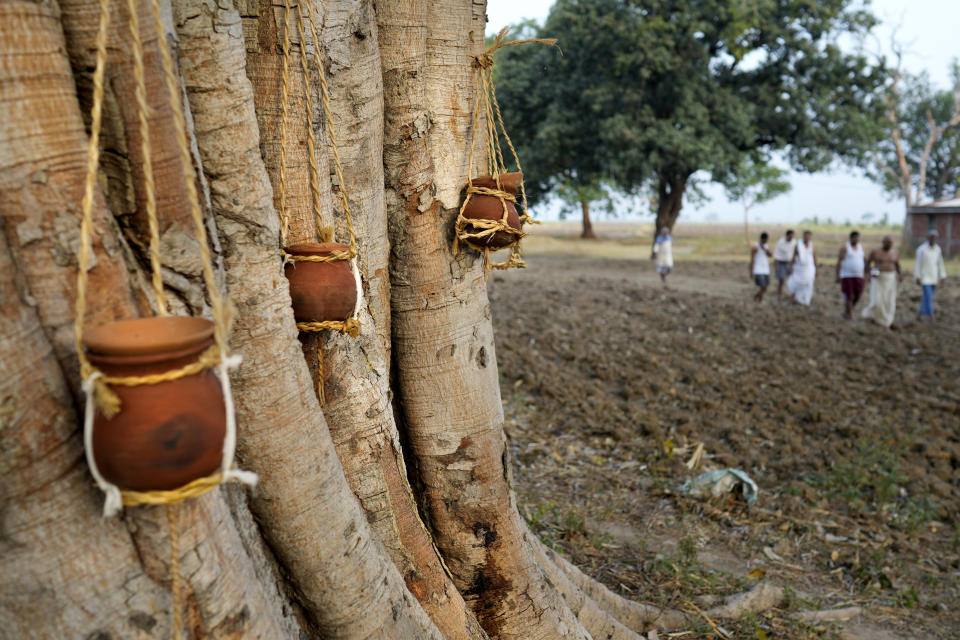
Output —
(757, 574)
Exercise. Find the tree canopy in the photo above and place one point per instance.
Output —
(650, 92)
(920, 158)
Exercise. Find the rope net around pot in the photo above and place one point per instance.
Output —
(206, 358)
(312, 315)
(489, 219)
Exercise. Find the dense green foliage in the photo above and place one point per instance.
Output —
(649, 93)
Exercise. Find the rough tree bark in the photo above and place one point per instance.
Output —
(71, 573)
(334, 542)
(356, 381)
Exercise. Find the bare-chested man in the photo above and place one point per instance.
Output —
(883, 269)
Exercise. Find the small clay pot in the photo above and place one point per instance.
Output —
(321, 291)
(166, 434)
(485, 207)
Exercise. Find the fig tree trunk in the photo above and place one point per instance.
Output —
(385, 512)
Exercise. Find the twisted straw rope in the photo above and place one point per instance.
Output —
(350, 326)
(285, 80)
(86, 204)
(467, 230)
(190, 490)
(143, 109)
(175, 569)
(221, 310)
(215, 355)
(325, 235)
(334, 147)
(106, 399)
(109, 402)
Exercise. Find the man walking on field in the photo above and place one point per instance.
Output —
(884, 266)
(850, 266)
(803, 273)
(760, 266)
(663, 254)
(929, 272)
(782, 258)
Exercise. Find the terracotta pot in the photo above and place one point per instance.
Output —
(321, 291)
(166, 434)
(484, 207)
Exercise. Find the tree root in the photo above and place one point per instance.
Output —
(597, 622)
(635, 616)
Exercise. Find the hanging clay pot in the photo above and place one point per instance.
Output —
(320, 291)
(486, 207)
(166, 434)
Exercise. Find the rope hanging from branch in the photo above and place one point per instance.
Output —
(304, 21)
(96, 385)
(478, 233)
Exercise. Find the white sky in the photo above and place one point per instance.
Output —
(928, 29)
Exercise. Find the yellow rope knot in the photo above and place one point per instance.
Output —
(333, 256)
(192, 489)
(469, 230)
(485, 60)
(350, 326)
(109, 403)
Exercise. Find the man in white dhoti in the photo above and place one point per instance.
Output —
(883, 268)
(803, 273)
(663, 254)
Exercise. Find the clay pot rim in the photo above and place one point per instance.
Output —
(509, 181)
(163, 335)
(314, 248)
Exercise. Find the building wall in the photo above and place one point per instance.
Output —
(946, 224)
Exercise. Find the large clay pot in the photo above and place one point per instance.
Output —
(321, 291)
(166, 434)
(485, 207)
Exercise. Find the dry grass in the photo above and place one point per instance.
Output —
(632, 240)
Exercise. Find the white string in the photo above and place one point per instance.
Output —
(113, 503)
(360, 296)
(227, 472)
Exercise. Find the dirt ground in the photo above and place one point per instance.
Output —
(852, 434)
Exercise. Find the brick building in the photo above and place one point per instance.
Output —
(944, 216)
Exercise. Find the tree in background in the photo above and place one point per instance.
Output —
(920, 158)
(650, 92)
(755, 182)
(353, 532)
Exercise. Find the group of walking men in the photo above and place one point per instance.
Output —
(795, 266)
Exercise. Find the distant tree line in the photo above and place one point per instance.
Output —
(648, 97)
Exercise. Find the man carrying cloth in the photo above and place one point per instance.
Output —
(850, 264)
(782, 258)
(929, 272)
(884, 276)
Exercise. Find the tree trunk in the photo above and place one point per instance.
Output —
(587, 225)
(70, 572)
(669, 200)
(356, 371)
(334, 542)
